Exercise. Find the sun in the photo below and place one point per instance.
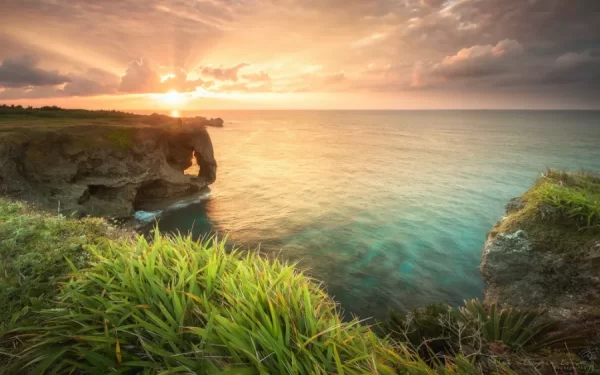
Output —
(173, 99)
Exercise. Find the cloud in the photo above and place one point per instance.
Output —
(480, 60)
(573, 59)
(257, 77)
(247, 87)
(23, 72)
(318, 82)
(424, 45)
(575, 68)
(223, 74)
(90, 83)
(142, 76)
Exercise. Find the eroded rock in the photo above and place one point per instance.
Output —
(104, 170)
(525, 270)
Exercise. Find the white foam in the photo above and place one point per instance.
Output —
(147, 216)
(187, 202)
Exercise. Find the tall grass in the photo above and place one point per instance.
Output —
(33, 247)
(569, 197)
(180, 306)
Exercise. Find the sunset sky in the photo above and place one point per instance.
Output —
(346, 54)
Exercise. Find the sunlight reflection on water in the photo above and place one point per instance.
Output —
(390, 209)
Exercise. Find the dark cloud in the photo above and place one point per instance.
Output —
(92, 82)
(550, 22)
(23, 72)
(575, 68)
(378, 46)
(480, 61)
(89, 83)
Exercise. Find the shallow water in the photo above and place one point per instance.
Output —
(389, 209)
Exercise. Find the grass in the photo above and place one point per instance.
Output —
(79, 296)
(568, 200)
(18, 112)
(33, 247)
(179, 306)
(53, 126)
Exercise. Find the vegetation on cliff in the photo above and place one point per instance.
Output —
(546, 252)
(84, 297)
(568, 202)
(108, 165)
(53, 116)
(177, 305)
(33, 252)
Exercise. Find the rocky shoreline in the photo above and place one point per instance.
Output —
(107, 170)
(537, 257)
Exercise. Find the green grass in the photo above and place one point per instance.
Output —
(184, 306)
(8, 113)
(79, 296)
(121, 138)
(33, 247)
(80, 301)
(570, 200)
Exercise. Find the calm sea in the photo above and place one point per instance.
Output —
(389, 208)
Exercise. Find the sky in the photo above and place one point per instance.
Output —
(300, 54)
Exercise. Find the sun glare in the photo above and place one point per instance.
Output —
(166, 77)
(175, 113)
(173, 98)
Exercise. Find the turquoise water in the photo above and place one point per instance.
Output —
(389, 209)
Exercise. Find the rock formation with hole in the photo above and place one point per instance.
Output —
(103, 170)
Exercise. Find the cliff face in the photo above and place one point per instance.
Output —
(545, 253)
(103, 170)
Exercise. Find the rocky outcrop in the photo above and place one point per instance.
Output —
(103, 170)
(203, 121)
(544, 266)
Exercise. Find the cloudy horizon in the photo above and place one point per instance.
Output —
(352, 54)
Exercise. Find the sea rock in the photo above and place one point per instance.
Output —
(218, 122)
(203, 121)
(521, 270)
(103, 170)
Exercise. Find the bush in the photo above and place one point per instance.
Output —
(439, 332)
(181, 306)
(426, 330)
(517, 330)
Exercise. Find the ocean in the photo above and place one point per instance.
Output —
(389, 209)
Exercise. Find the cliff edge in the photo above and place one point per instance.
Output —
(103, 167)
(545, 253)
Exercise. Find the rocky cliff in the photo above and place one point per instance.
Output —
(103, 169)
(545, 253)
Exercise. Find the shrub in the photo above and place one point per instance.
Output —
(439, 332)
(426, 330)
(517, 330)
(182, 306)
